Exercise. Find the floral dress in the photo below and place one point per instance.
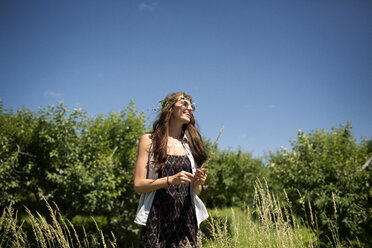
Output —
(171, 222)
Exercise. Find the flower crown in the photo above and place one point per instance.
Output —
(172, 100)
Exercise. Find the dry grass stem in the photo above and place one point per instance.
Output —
(57, 233)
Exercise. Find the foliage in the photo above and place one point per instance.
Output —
(231, 177)
(325, 165)
(85, 164)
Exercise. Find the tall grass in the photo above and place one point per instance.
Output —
(53, 231)
(269, 223)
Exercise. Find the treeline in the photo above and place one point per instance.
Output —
(86, 164)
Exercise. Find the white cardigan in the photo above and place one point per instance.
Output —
(146, 199)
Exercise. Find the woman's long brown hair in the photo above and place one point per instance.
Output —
(160, 133)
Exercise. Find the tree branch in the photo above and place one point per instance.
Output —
(24, 153)
(367, 164)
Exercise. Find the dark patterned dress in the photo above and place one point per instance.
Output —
(171, 222)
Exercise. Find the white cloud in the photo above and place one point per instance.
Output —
(147, 6)
(272, 106)
(52, 94)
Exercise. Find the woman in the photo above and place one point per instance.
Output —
(169, 175)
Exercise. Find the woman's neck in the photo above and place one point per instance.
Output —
(175, 130)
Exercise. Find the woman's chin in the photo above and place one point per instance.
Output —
(185, 120)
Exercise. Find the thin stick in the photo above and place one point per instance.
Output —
(218, 137)
(212, 154)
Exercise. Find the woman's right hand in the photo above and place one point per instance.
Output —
(182, 177)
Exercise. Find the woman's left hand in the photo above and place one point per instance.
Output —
(200, 176)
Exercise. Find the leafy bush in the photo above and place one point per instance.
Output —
(84, 164)
(322, 164)
(231, 177)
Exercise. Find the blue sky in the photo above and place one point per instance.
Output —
(262, 69)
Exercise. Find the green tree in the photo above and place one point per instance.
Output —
(15, 161)
(231, 177)
(85, 165)
(323, 166)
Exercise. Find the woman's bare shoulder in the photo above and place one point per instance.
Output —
(146, 140)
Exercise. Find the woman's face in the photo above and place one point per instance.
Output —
(182, 111)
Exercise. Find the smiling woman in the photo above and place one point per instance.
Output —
(169, 176)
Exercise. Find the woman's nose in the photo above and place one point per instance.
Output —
(189, 107)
